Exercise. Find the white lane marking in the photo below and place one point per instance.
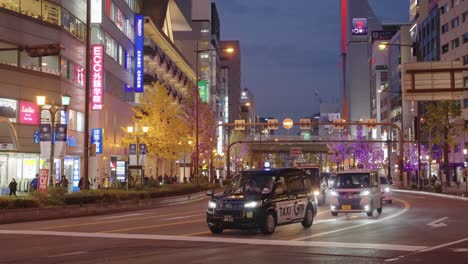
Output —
(265, 242)
(68, 254)
(181, 217)
(460, 250)
(326, 211)
(118, 216)
(407, 206)
(438, 223)
(427, 249)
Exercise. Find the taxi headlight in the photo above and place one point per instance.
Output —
(333, 193)
(387, 189)
(365, 193)
(253, 204)
(211, 205)
(316, 193)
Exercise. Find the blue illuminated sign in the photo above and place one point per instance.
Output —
(76, 174)
(36, 136)
(96, 138)
(139, 44)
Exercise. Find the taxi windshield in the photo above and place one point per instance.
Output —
(258, 182)
(352, 180)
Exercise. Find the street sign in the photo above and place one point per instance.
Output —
(305, 124)
(272, 124)
(240, 124)
(371, 123)
(288, 123)
(338, 123)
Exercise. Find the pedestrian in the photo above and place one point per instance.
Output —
(81, 184)
(13, 186)
(33, 184)
(64, 182)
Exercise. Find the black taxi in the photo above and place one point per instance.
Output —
(263, 199)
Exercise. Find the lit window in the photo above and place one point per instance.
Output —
(204, 55)
(205, 31)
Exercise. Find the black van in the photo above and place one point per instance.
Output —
(263, 199)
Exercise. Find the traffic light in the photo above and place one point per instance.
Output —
(338, 123)
(43, 50)
(305, 124)
(371, 123)
(272, 124)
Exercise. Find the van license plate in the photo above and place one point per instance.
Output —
(346, 207)
(228, 218)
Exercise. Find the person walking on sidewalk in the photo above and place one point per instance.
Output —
(13, 186)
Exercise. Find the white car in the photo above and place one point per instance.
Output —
(386, 189)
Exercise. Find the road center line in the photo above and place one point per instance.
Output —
(68, 254)
(117, 216)
(182, 217)
(264, 242)
(406, 208)
(152, 226)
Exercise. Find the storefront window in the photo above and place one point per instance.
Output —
(8, 109)
(72, 119)
(64, 68)
(30, 63)
(51, 13)
(9, 57)
(50, 64)
(79, 122)
(66, 20)
(31, 8)
(12, 5)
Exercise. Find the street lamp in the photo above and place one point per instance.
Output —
(229, 50)
(52, 109)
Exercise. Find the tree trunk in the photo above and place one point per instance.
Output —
(446, 157)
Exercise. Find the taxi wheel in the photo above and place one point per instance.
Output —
(334, 213)
(370, 213)
(270, 224)
(379, 210)
(216, 229)
(308, 218)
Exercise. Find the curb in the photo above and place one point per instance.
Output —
(58, 212)
(448, 196)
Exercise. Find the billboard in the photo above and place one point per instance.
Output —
(359, 27)
(96, 139)
(97, 73)
(139, 45)
(203, 90)
(28, 113)
(96, 11)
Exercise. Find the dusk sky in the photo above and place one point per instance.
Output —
(290, 49)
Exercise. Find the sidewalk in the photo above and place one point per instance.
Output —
(452, 192)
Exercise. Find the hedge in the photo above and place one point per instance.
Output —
(58, 196)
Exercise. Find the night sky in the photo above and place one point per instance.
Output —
(290, 49)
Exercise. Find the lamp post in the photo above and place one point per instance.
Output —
(197, 92)
(52, 109)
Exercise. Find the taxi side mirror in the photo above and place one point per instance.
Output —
(210, 193)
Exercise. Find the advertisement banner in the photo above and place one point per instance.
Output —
(43, 180)
(97, 72)
(76, 174)
(359, 27)
(45, 133)
(143, 152)
(139, 45)
(96, 139)
(203, 90)
(120, 171)
(60, 140)
(133, 154)
(28, 113)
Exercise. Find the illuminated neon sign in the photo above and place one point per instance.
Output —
(139, 43)
(97, 58)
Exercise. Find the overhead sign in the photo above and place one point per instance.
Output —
(240, 124)
(382, 35)
(28, 113)
(359, 27)
(139, 58)
(288, 123)
(96, 11)
(96, 139)
(203, 90)
(97, 73)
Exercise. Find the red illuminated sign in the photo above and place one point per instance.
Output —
(29, 113)
(97, 58)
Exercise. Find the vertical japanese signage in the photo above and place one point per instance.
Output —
(139, 43)
(76, 174)
(43, 180)
(97, 72)
(96, 139)
(28, 113)
(202, 89)
(96, 11)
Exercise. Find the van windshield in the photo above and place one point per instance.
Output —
(257, 182)
(352, 180)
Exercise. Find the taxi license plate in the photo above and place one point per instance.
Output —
(346, 207)
(227, 218)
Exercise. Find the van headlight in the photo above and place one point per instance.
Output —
(365, 193)
(387, 189)
(316, 193)
(211, 205)
(333, 193)
(252, 204)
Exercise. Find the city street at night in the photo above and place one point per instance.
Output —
(414, 229)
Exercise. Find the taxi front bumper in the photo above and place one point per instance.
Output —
(241, 219)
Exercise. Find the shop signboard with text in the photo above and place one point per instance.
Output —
(43, 180)
(97, 73)
(96, 139)
(139, 56)
(28, 113)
